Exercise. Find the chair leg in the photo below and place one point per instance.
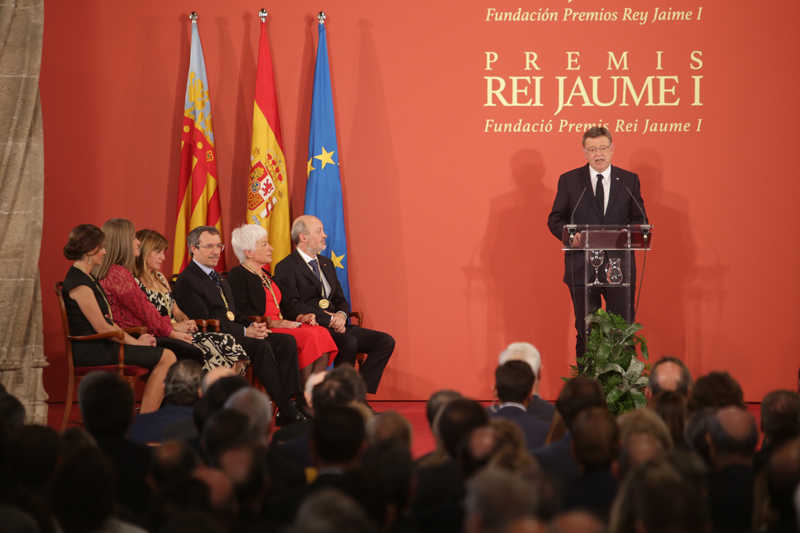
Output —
(68, 401)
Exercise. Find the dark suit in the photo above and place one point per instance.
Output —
(575, 195)
(541, 409)
(535, 430)
(302, 291)
(274, 358)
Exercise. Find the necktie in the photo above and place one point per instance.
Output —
(314, 266)
(213, 275)
(600, 195)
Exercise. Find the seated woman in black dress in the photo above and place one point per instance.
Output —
(88, 313)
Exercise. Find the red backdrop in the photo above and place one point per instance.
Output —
(448, 245)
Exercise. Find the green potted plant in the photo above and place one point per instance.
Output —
(611, 357)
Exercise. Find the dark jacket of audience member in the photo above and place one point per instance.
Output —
(514, 382)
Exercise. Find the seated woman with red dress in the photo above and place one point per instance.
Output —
(256, 294)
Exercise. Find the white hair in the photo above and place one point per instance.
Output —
(522, 351)
(258, 408)
(244, 239)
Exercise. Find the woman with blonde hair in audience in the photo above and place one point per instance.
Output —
(256, 294)
(133, 307)
(89, 312)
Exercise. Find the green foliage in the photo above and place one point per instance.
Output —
(611, 357)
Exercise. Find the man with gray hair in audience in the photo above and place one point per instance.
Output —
(174, 419)
(496, 499)
(257, 406)
(525, 351)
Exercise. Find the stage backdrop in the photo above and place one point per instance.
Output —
(454, 121)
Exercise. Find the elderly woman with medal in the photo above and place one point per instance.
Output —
(256, 294)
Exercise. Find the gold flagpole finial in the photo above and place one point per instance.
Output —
(321, 17)
(262, 14)
(193, 17)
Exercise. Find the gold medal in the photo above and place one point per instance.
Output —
(324, 303)
(230, 315)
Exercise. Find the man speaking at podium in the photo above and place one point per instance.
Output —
(596, 193)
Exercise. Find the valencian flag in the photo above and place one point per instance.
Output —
(324, 188)
(198, 192)
(267, 192)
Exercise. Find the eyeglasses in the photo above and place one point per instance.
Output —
(207, 247)
(595, 149)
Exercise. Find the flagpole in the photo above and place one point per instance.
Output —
(321, 17)
(262, 14)
(193, 17)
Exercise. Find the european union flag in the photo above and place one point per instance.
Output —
(324, 188)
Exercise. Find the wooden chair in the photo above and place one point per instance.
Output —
(130, 373)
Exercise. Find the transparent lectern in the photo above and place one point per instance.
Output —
(608, 257)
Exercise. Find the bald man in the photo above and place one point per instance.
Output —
(309, 285)
(669, 374)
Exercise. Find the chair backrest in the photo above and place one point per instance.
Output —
(65, 327)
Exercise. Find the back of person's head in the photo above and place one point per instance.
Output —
(715, 389)
(783, 482)
(348, 374)
(661, 500)
(173, 463)
(437, 401)
(182, 382)
(12, 415)
(696, 431)
(257, 406)
(513, 381)
(29, 456)
(670, 374)
(332, 393)
(106, 402)
(387, 469)
(671, 407)
(457, 420)
(577, 394)
(576, 521)
(215, 397)
(389, 427)
(732, 432)
(511, 451)
(17, 521)
(496, 498)
(780, 415)
(83, 491)
(328, 510)
(595, 438)
(224, 430)
(214, 375)
(643, 436)
(338, 435)
(522, 351)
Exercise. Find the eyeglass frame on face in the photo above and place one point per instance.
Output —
(596, 149)
(207, 247)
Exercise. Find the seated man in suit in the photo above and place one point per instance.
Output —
(525, 351)
(309, 285)
(513, 382)
(201, 293)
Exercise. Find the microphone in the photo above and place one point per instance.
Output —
(638, 206)
(572, 215)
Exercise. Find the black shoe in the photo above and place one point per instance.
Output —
(292, 415)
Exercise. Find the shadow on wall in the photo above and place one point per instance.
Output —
(506, 284)
(370, 181)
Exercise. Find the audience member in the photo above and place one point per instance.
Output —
(780, 422)
(595, 444)
(556, 459)
(389, 427)
(258, 408)
(643, 437)
(513, 383)
(732, 437)
(715, 389)
(174, 419)
(12, 415)
(497, 498)
(668, 374)
(576, 522)
(696, 432)
(783, 487)
(212, 376)
(433, 407)
(386, 473)
(106, 402)
(525, 351)
(671, 407)
(330, 510)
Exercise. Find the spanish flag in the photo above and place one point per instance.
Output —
(198, 193)
(267, 192)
